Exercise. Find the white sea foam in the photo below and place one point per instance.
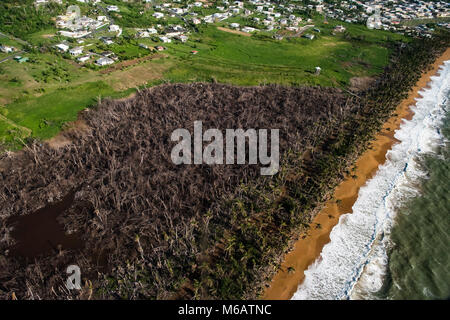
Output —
(353, 263)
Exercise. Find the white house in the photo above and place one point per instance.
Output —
(249, 29)
(158, 15)
(143, 34)
(339, 28)
(182, 38)
(76, 51)
(107, 41)
(62, 47)
(114, 28)
(83, 58)
(112, 8)
(103, 61)
(165, 39)
(6, 49)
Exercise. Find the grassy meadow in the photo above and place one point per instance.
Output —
(39, 96)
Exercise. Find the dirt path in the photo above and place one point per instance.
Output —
(307, 250)
(242, 33)
(129, 63)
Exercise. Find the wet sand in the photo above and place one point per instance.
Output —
(307, 250)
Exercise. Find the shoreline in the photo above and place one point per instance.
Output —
(306, 250)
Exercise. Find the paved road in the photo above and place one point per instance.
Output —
(16, 39)
(10, 57)
(106, 12)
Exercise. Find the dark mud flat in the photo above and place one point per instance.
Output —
(40, 234)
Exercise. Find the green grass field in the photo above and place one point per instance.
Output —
(43, 94)
(244, 60)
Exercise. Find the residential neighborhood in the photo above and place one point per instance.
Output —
(85, 29)
(110, 23)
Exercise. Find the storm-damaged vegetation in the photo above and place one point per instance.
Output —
(151, 229)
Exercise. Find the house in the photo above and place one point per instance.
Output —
(104, 61)
(143, 34)
(62, 47)
(107, 41)
(196, 21)
(249, 29)
(194, 51)
(165, 39)
(339, 28)
(76, 51)
(109, 54)
(160, 48)
(21, 59)
(112, 8)
(143, 45)
(158, 15)
(234, 25)
(74, 34)
(309, 36)
(83, 58)
(182, 38)
(178, 11)
(7, 49)
(114, 28)
(208, 19)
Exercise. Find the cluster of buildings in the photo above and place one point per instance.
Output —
(388, 14)
(164, 34)
(101, 59)
(78, 27)
(274, 15)
(248, 16)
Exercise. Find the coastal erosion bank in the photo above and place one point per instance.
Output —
(307, 249)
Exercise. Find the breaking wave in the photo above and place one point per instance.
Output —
(353, 264)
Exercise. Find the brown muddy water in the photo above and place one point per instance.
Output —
(40, 234)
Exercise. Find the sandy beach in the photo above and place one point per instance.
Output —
(307, 250)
